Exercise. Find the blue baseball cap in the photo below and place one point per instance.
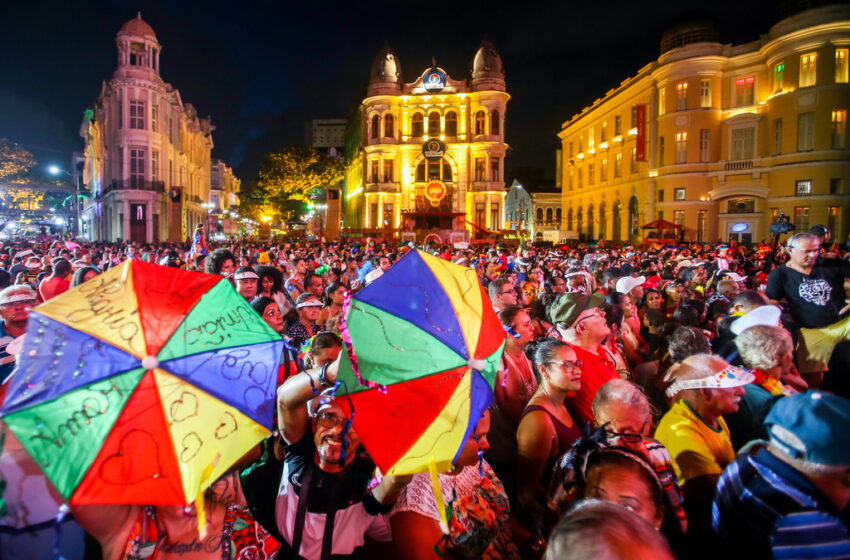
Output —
(812, 427)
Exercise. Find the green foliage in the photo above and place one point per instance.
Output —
(15, 161)
(287, 179)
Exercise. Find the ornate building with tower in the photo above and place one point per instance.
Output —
(147, 152)
(718, 138)
(429, 157)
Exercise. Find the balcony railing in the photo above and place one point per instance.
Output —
(135, 185)
(739, 165)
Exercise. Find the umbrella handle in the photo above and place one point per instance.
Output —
(438, 496)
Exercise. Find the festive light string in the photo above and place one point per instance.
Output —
(349, 346)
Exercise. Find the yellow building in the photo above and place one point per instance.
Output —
(733, 135)
(431, 151)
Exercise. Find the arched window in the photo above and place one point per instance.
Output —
(603, 221)
(447, 172)
(479, 122)
(417, 125)
(420, 172)
(494, 123)
(548, 215)
(540, 215)
(451, 123)
(434, 124)
(375, 127)
(389, 126)
(558, 215)
(570, 219)
(580, 220)
(590, 232)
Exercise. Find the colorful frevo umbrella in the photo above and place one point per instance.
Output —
(423, 348)
(143, 385)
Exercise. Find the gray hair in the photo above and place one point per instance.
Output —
(604, 531)
(624, 392)
(762, 347)
(793, 241)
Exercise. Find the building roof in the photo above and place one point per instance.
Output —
(138, 26)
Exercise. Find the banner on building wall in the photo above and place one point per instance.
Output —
(640, 148)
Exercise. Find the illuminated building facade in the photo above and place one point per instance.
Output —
(147, 153)
(718, 138)
(430, 156)
(224, 187)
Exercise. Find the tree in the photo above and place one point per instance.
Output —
(288, 178)
(14, 160)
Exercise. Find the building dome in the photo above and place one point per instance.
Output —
(138, 26)
(690, 28)
(487, 70)
(385, 76)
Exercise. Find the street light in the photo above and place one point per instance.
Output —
(54, 169)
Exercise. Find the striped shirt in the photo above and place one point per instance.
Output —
(764, 508)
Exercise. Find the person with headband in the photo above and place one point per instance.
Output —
(704, 388)
(16, 302)
(308, 308)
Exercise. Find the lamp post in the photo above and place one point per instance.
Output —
(56, 170)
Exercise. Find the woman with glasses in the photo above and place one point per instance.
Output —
(546, 430)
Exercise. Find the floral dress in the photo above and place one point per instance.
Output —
(478, 512)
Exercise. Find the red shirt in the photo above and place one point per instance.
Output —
(597, 370)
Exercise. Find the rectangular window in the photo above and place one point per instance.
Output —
(682, 96)
(137, 166)
(741, 206)
(705, 94)
(661, 151)
(580, 178)
(603, 170)
(801, 218)
(836, 186)
(494, 168)
(634, 116)
(679, 194)
(833, 219)
(618, 125)
(480, 208)
(841, 74)
(777, 136)
(633, 161)
(154, 117)
(137, 114)
(661, 214)
(662, 101)
(170, 129)
(119, 165)
(808, 69)
(155, 165)
(778, 76)
(373, 171)
(388, 171)
(701, 225)
(805, 131)
(373, 215)
(572, 179)
(618, 165)
(681, 147)
(591, 139)
(604, 134)
(480, 169)
(590, 173)
(804, 187)
(839, 125)
(704, 144)
(679, 217)
(571, 150)
(495, 222)
(743, 143)
(745, 91)
(388, 214)
(120, 113)
(660, 195)
(774, 215)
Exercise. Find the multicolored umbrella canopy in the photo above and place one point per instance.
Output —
(143, 385)
(424, 345)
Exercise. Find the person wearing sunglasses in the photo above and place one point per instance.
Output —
(326, 466)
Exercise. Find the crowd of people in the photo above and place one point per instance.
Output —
(652, 402)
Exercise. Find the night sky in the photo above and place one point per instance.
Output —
(263, 69)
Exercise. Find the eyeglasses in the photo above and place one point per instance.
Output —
(507, 292)
(569, 365)
(330, 421)
(627, 437)
(591, 316)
